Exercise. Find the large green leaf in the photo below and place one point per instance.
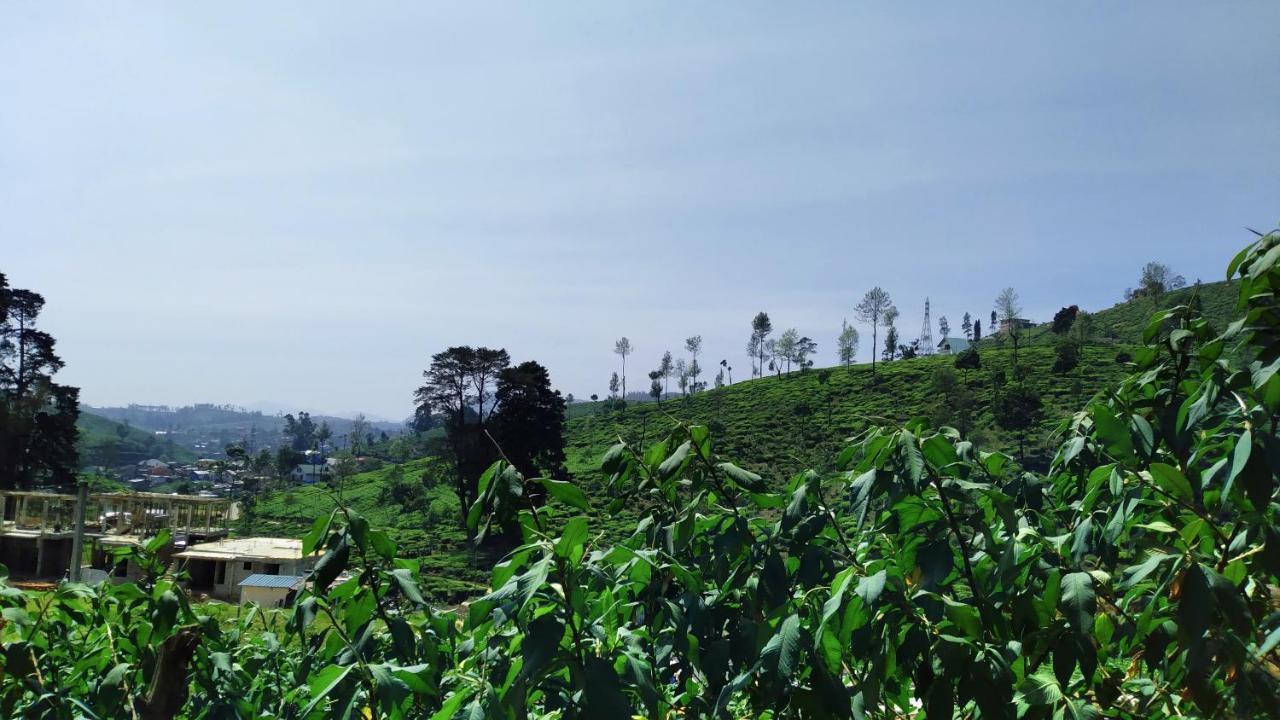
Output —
(1171, 480)
(743, 478)
(1079, 601)
(323, 683)
(572, 539)
(566, 492)
(1112, 433)
(1039, 689)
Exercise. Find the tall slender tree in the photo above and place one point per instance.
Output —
(787, 347)
(847, 343)
(761, 327)
(693, 346)
(966, 326)
(682, 377)
(622, 348)
(37, 415)
(944, 327)
(1010, 308)
(665, 369)
(889, 320)
(871, 311)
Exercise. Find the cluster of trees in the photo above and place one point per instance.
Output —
(686, 372)
(1156, 280)
(791, 350)
(490, 410)
(37, 415)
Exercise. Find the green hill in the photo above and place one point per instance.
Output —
(793, 422)
(103, 441)
(1124, 322)
(781, 424)
(775, 425)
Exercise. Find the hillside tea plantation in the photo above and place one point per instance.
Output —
(910, 573)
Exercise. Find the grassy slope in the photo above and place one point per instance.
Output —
(774, 426)
(1124, 322)
(96, 430)
(778, 425)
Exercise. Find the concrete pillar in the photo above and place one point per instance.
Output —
(44, 515)
(77, 540)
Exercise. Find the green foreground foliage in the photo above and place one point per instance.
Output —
(923, 577)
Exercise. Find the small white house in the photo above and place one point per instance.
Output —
(953, 345)
(270, 591)
(310, 473)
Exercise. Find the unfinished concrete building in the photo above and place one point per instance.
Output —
(37, 529)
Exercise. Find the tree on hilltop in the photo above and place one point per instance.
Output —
(1156, 280)
(889, 320)
(1065, 318)
(622, 348)
(665, 368)
(847, 343)
(693, 346)
(529, 421)
(786, 347)
(760, 329)
(1010, 308)
(457, 385)
(871, 311)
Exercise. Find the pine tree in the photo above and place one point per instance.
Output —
(37, 415)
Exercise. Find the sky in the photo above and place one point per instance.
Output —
(294, 204)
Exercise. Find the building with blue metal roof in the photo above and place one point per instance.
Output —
(270, 590)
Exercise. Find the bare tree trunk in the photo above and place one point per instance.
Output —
(167, 692)
(875, 323)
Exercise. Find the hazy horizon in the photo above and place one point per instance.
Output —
(297, 204)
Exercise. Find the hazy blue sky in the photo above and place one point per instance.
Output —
(298, 203)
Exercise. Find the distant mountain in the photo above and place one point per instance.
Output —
(103, 441)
